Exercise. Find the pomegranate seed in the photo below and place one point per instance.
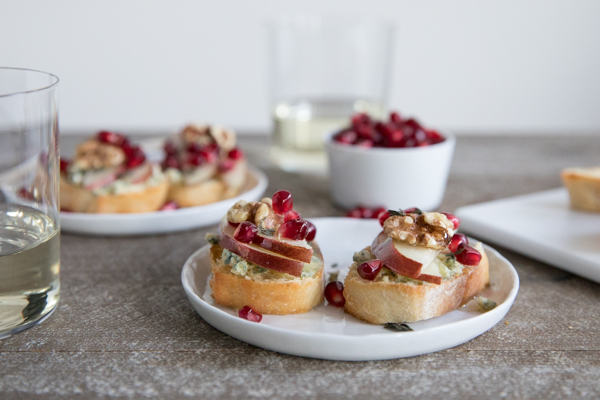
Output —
(282, 202)
(234, 224)
(291, 215)
(395, 117)
(226, 165)
(369, 270)
(457, 240)
(235, 154)
(364, 131)
(212, 148)
(196, 159)
(467, 255)
(171, 161)
(383, 216)
(383, 129)
(193, 148)
(453, 219)
(413, 124)
(113, 138)
(294, 229)
(172, 205)
(366, 143)
(170, 148)
(413, 210)
(312, 231)
(365, 212)
(377, 211)
(209, 156)
(360, 119)
(354, 213)
(135, 157)
(346, 137)
(394, 139)
(334, 293)
(245, 232)
(64, 165)
(250, 314)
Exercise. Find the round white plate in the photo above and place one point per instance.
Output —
(161, 221)
(327, 332)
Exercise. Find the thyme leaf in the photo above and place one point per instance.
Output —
(397, 327)
(334, 265)
(265, 231)
(397, 213)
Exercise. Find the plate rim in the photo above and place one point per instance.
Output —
(496, 314)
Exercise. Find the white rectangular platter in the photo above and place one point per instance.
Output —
(542, 226)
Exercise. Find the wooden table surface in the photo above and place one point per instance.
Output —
(124, 327)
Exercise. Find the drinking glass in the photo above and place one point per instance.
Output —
(29, 173)
(323, 70)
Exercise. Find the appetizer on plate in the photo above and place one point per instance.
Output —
(204, 166)
(265, 257)
(110, 175)
(584, 187)
(417, 268)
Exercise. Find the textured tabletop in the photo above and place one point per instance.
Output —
(124, 327)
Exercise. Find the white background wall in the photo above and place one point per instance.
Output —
(508, 66)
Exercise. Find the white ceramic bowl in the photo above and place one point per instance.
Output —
(390, 177)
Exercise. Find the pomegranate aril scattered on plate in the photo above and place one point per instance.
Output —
(456, 241)
(369, 270)
(294, 229)
(250, 314)
(282, 202)
(453, 219)
(467, 255)
(334, 293)
(291, 215)
(312, 231)
(245, 232)
(235, 154)
(170, 206)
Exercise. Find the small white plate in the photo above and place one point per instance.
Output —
(327, 332)
(161, 221)
(540, 225)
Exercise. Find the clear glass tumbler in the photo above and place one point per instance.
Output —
(323, 70)
(29, 173)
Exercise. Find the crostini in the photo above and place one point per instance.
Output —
(265, 256)
(110, 175)
(417, 268)
(204, 166)
(584, 187)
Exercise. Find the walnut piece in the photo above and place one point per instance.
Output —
(259, 213)
(198, 134)
(93, 154)
(432, 230)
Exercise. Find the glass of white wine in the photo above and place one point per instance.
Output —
(29, 174)
(323, 70)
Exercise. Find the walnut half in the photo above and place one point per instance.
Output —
(432, 230)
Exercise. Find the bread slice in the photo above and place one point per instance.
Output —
(379, 302)
(584, 187)
(199, 194)
(274, 293)
(78, 199)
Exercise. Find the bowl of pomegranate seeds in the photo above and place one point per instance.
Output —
(385, 163)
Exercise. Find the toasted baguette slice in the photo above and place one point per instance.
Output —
(584, 187)
(78, 199)
(267, 295)
(379, 302)
(199, 194)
